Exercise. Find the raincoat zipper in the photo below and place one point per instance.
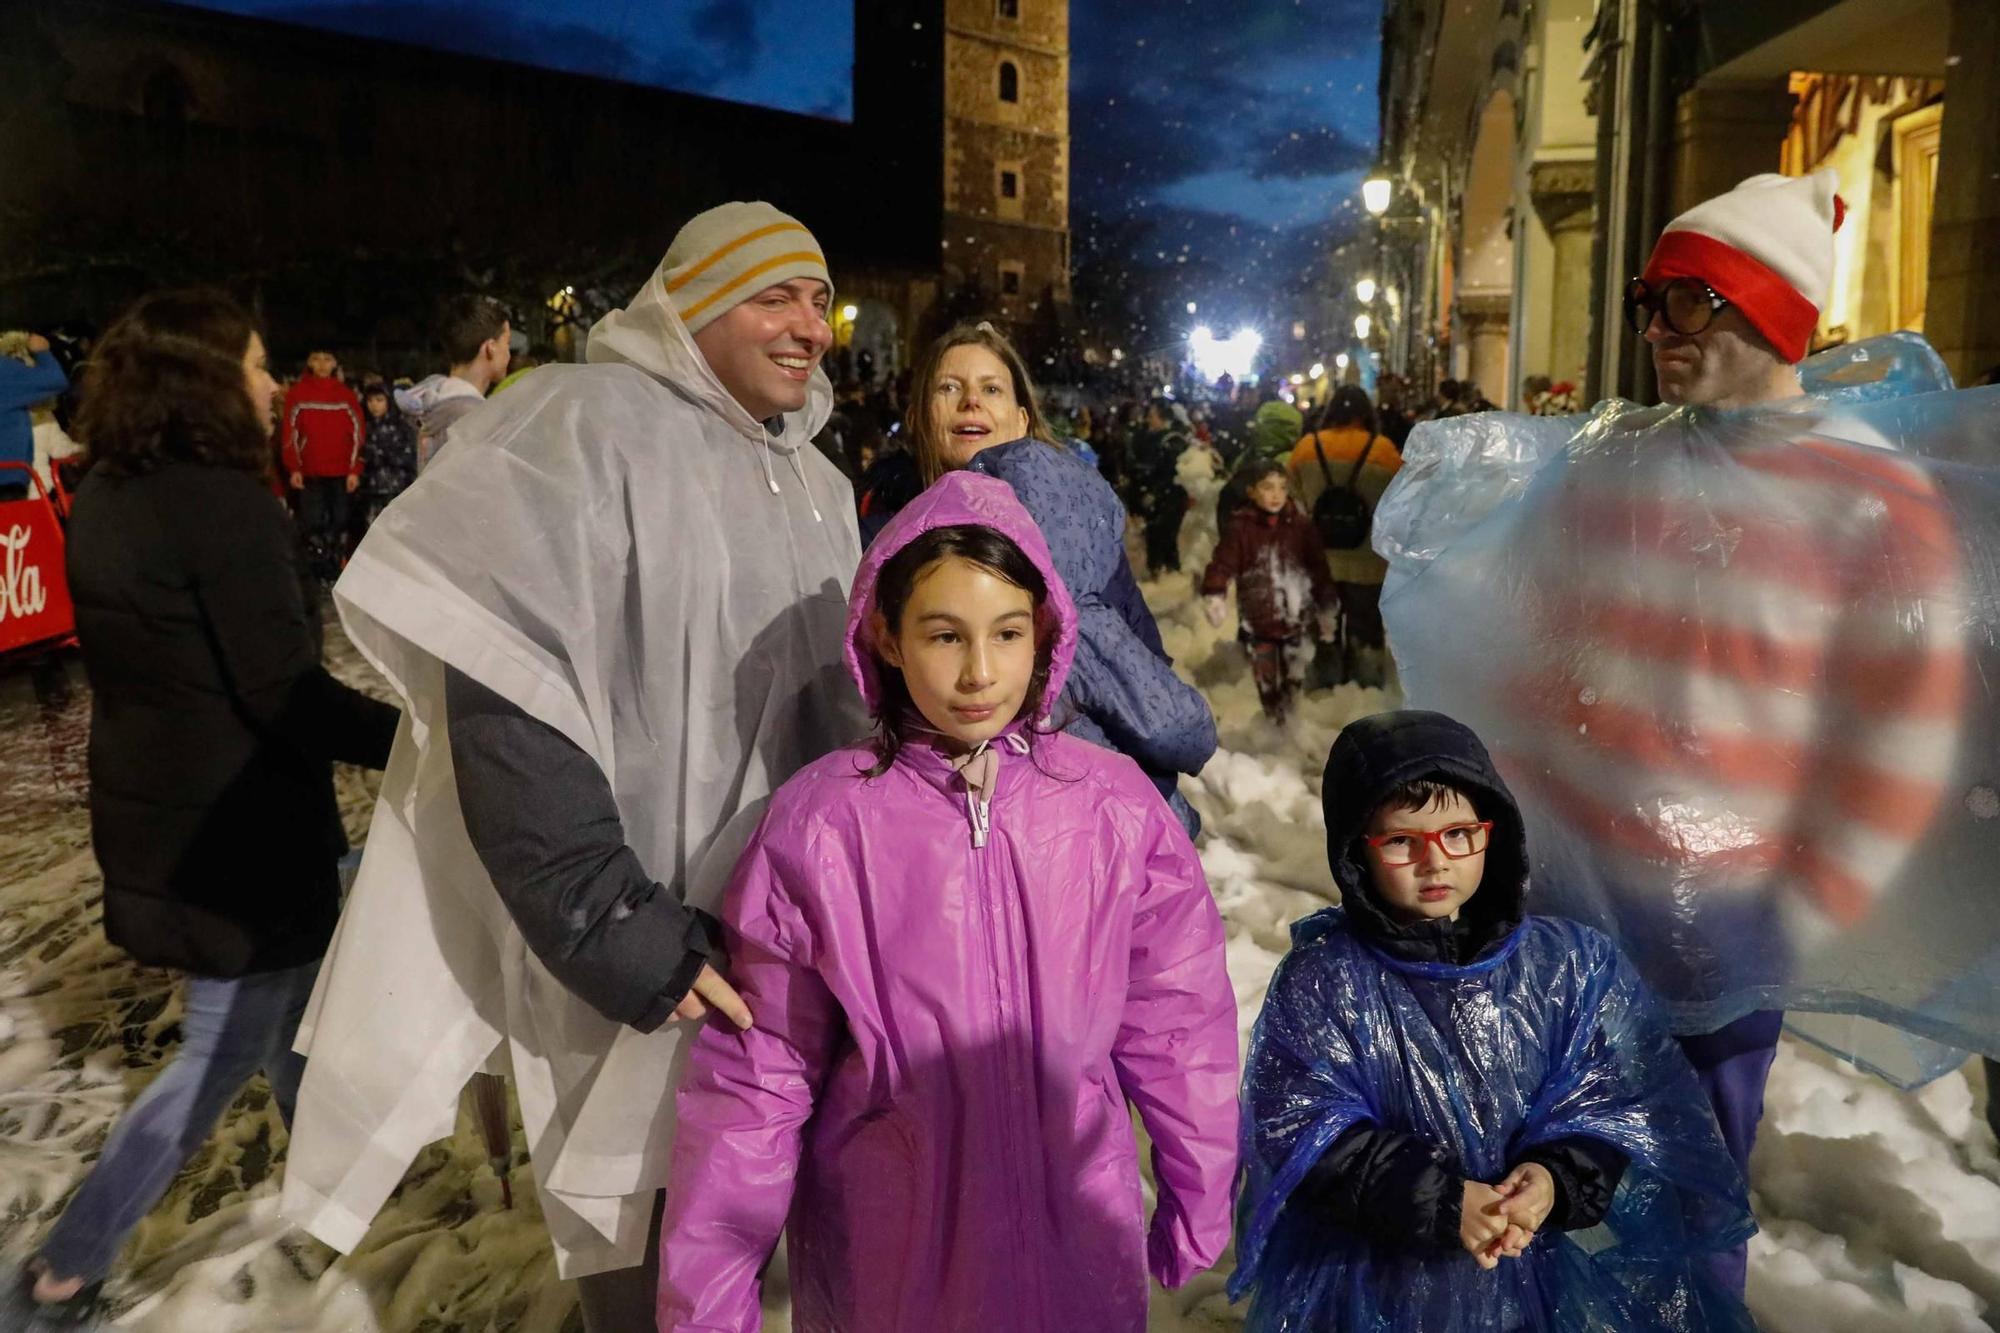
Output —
(1000, 956)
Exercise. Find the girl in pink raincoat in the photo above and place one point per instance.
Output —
(967, 946)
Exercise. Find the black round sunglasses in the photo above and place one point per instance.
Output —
(1688, 305)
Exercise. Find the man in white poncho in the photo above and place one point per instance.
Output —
(613, 613)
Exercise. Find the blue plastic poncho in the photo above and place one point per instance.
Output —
(1545, 1035)
(1737, 666)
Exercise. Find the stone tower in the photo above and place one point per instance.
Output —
(1006, 153)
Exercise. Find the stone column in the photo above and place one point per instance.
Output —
(1962, 305)
(1727, 130)
(1561, 193)
(1485, 317)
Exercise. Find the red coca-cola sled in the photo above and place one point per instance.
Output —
(35, 611)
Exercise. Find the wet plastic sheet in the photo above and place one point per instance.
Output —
(1551, 1038)
(1740, 668)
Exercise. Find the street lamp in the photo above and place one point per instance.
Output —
(1362, 324)
(1191, 307)
(848, 312)
(1365, 289)
(1341, 361)
(1318, 369)
(1375, 193)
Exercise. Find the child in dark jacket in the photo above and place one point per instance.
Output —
(390, 452)
(1442, 1090)
(1285, 595)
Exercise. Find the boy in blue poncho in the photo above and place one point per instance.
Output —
(1456, 1116)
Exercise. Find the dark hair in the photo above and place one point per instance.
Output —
(1258, 469)
(1422, 794)
(897, 580)
(165, 384)
(923, 444)
(467, 321)
(1349, 406)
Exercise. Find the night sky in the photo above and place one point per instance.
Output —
(1218, 145)
(1232, 132)
(794, 55)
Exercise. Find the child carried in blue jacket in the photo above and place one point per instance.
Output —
(1443, 1093)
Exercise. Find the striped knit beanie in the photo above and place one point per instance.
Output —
(727, 255)
(1766, 247)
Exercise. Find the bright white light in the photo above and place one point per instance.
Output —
(1375, 195)
(1117, 354)
(1191, 307)
(1361, 326)
(848, 312)
(1341, 361)
(1365, 289)
(1232, 356)
(1298, 379)
(1318, 369)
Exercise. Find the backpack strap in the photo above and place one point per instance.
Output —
(1326, 471)
(1355, 475)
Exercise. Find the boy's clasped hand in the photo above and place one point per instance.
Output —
(1498, 1221)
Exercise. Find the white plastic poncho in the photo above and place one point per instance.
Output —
(1739, 666)
(622, 551)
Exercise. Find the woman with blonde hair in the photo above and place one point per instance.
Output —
(973, 406)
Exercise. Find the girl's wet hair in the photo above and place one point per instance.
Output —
(897, 581)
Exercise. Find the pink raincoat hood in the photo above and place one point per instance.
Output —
(958, 498)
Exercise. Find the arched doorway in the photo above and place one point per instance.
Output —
(1485, 268)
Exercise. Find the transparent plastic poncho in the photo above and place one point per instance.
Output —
(1550, 1037)
(1739, 668)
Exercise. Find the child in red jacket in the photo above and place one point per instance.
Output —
(1284, 593)
(320, 438)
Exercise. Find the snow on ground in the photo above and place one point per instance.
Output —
(1881, 1210)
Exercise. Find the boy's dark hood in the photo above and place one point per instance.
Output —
(1371, 758)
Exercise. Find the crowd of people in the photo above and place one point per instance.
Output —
(783, 784)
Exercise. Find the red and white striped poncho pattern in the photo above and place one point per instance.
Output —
(1749, 684)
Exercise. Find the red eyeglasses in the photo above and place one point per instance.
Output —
(1402, 847)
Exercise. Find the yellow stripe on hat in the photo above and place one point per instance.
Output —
(694, 271)
(808, 256)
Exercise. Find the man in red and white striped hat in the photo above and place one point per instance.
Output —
(1734, 290)
(1720, 593)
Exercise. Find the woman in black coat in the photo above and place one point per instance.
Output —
(213, 731)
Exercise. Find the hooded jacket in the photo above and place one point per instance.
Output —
(631, 561)
(1395, 1061)
(956, 1000)
(1123, 690)
(1278, 565)
(436, 403)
